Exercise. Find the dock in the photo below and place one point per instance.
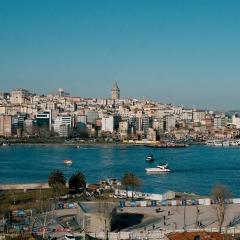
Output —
(175, 145)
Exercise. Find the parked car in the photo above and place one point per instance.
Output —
(69, 237)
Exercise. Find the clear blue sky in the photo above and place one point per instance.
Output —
(184, 52)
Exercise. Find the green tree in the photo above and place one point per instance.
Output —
(77, 182)
(220, 193)
(57, 182)
(132, 181)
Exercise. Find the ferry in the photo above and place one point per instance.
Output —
(158, 169)
(67, 162)
(149, 158)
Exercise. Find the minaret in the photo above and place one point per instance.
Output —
(115, 92)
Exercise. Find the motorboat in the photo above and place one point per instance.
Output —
(149, 158)
(226, 143)
(210, 142)
(69, 236)
(5, 144)
(218, 143)
(67, 162)
(77, 146)
(158, 168)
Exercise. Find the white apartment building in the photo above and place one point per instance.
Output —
(107, 124)
(219, 122)
(199, 115)
(236, 121)
(187, 115)
(62, 120)
(170, 122)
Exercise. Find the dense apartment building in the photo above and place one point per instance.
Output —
(24, 114)
(5, 125)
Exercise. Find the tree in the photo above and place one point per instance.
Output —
(132, 181)
(77, 181)
(57, 182)
(220, 193)
(105, 214)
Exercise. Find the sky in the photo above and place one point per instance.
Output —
(181, 52)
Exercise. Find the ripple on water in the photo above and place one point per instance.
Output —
(194, 169)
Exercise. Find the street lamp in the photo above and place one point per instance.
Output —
(184, 213)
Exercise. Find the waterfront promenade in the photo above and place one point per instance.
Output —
(24, 186)
(175, 222)
(184, 217)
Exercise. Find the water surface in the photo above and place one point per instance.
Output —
(194, 169)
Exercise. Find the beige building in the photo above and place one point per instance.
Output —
(152, 136)
(123, 129)
(96, 216)
(5, 125)
(19, 96)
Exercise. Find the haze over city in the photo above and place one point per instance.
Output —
(183, 52)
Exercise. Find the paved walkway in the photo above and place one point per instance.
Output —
(205, 215)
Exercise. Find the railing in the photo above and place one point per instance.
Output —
(156, 234)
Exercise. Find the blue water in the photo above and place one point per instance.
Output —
(194, 169)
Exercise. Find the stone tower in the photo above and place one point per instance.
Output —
(115, 92)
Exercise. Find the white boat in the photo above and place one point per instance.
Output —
(226, 143)
(69, 236)
(67, 162)
(5, 144)
(218, 143)
(150, 158)
(209, 143)
(234, 143)
(158, 168)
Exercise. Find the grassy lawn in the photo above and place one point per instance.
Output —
(13, 200)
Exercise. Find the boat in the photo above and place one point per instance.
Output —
(77, 146)
(149, 158)
(158, 168)
(67, 162)
(5, 144)
(226, 143)
(210, 143)
(217, 143)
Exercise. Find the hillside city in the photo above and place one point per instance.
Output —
(26, 114)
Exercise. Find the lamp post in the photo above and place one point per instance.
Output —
(184, 213)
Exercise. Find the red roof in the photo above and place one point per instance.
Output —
(201, 234)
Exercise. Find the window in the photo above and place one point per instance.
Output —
(87, 222)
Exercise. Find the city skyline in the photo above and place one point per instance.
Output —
(183, 53)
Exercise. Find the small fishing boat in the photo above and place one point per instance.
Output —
(67, 162)
(149, 158)
(5, 144)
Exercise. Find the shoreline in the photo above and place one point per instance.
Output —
(95, 144)
(34, 186)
